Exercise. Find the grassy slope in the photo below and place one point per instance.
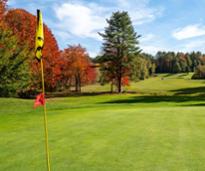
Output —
(163, 84)
(110, 132)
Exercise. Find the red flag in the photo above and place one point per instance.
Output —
(40, 100)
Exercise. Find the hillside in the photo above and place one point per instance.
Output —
(162, 84)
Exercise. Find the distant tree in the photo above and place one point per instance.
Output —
(182, 61)
(143, 66)
(165, 62)
(199, 72)
(189, 63)
(119, 47)
(77, 67)
(151, 63)
(170, 62)
(176, 67)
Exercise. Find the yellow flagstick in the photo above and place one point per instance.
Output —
(45, 121)
(38, 50)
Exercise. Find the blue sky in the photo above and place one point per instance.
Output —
(170, 25)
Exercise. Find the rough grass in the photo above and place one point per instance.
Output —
(161, 128)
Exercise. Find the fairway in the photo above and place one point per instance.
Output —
(161, 127)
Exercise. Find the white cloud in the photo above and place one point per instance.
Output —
(80, 20)
(85, 20)
(144, 14)
(189, 31)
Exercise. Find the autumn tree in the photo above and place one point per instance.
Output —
(23, 24)
(2, 9)
(119, 47)
(77, 68)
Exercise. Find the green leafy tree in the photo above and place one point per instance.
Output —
(143, 67)
(13, 68)
(189, 63)
(176, 67)
(171, 62)
(119, 47)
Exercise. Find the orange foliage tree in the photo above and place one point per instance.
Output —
(77, 67)
(23, 24)
(2, 8)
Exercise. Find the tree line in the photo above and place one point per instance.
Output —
(70, 68)
(121, 59)
(20, 74)
(171, 62)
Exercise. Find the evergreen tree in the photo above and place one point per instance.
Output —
(119, 47)
(176, 67)
(13, 68)
(189, 63)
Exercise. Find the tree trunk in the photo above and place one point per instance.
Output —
(76, 83)
(119, 70)
(79, 83)
(119, 77)
(119, 84)
(111, 86)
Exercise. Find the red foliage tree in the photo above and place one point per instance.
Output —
(77, 67)
(2, 8)
(125, 81)
(91, 75)
(23, 24)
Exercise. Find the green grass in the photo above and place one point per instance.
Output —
(162, 84)
(161, 128)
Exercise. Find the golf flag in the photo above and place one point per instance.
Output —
(40, 100)
(39, 36)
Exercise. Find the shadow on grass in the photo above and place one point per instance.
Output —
(186, 91)
(195, 105)
(157, 99)
(196, 94)
(75, 94)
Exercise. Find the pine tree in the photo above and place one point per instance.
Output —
(119, 47)
(176, 67)
(13, 68)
